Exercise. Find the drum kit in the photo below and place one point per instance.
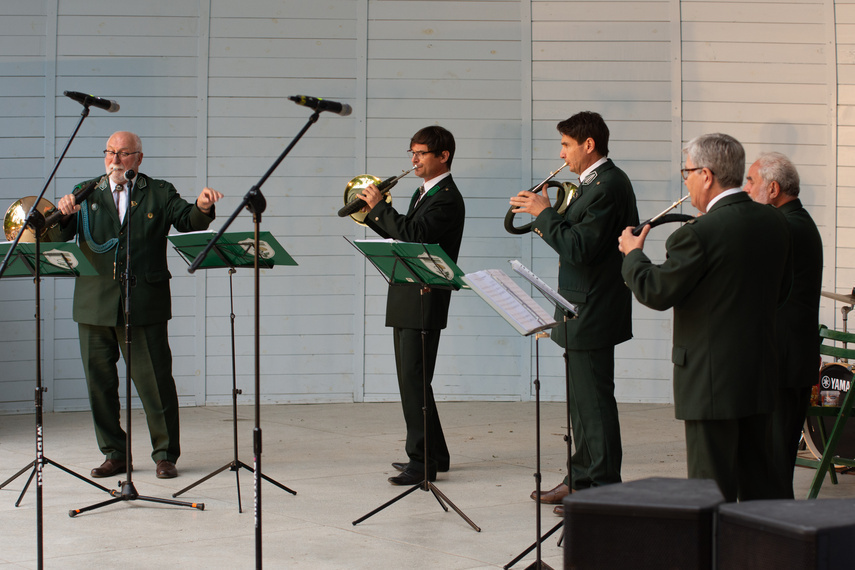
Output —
(834, 377)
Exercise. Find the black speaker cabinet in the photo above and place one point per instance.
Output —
(818, 534)
(655, 523)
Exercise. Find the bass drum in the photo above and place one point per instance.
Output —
(832, 376)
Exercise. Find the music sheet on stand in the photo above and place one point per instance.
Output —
(509, 300)
(545, 289)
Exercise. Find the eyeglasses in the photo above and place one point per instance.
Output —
(121, 153)
(419, 153)
(684, 172)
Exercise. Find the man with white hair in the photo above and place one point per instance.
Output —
(773, 179)
(101, 223)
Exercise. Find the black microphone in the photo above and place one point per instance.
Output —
(129, 175)
(79, 197)
(87, 100)
(319, 104)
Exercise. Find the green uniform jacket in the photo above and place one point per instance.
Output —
(154, 207)
(586, 240)
(438, 218)
(798, 319)
(725, 275)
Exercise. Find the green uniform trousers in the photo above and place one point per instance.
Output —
(151, 371)
(734, 454)
(785, 432)
(593, 419)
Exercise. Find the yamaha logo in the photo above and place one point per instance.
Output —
(830, 383)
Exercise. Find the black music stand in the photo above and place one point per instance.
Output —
(528, 318)
(35, 221)
(61, 260)
(232, 250)
(28, 260)
(255, 202)
(569, 311)
(427, 267)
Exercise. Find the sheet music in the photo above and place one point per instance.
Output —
(509, 300)
(541, 286)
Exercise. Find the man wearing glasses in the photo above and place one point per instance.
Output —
(99, 310)
(725, 274)
(435, 214)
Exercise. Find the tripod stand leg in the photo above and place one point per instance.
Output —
(203, 479)
(236, 469)
(45, 461)
(129, 493)
(30, 465)
(533, 546)
(72, 473)
(437, 493)
(74, 512)
(26, 485)
(278, 484)
(386, 504)
(438, 499)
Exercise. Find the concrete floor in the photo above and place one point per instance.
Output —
(337, 458)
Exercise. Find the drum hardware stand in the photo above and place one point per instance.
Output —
(255, 202)
(36, 221)
(235, 464)
(425, 485)
(128, 491)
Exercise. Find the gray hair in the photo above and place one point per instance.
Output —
(722, 154)
(775, 167)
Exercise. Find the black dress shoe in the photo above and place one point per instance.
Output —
(109, 468)
(165, 469)
(403, 466)
(411, 477)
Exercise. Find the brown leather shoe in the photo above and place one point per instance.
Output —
(166, 469)
(109, 468)
(553, 496)
(559, 510)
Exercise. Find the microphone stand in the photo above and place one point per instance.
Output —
(36, 221)
(128, 491)
(255, 202)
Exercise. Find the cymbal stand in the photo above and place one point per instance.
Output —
(235, 464)
(36, 221)
(128, 491)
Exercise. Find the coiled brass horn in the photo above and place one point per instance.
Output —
(353, 205)
(16, 217)
(563, 189)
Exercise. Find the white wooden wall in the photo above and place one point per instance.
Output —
(205, 83)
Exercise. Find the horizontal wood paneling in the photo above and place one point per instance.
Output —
(761, 70)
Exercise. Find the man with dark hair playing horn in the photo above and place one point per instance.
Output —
(435, 214)
(773, 179)
(584, 233)
(725, 274)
